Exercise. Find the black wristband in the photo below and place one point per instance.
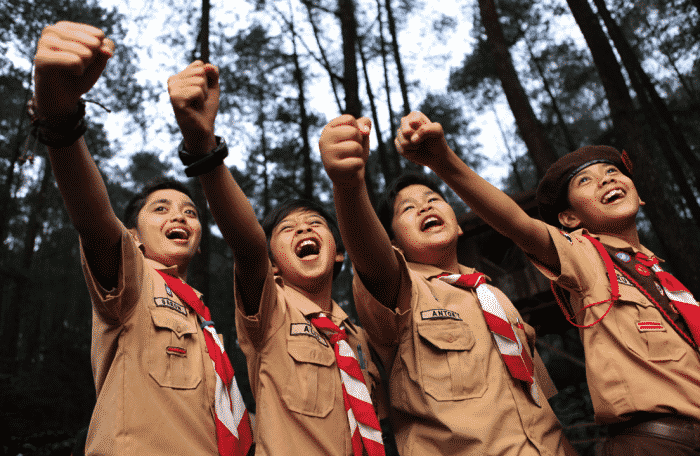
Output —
(58, 133)
(202, 164)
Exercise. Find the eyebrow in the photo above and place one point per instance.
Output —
(167, 201)
(426, 193)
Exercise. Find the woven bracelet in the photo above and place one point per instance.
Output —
(61, 133)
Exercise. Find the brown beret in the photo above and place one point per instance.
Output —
(552, 193)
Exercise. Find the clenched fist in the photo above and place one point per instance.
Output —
(344, 148)
(421, 141)
(70, 58)
(194, 94)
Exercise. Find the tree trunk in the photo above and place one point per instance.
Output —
(332, 76)
(570, 143)
(303, 119)
(348, 25)
(381, 148)
(199, 266)
(263, 148)
(393, 156)
(657, 108)
(631, 136)
(541, 151)
(32, 318)
(397, 57)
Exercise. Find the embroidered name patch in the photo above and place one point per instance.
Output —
(170, 304)
(306, 329)
(436, 314)
(178, 351)
(650, 326)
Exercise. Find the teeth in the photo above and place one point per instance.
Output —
(181, 233)
(611, 194)
(308, 242)
(430, 220)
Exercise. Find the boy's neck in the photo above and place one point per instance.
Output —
(321, 295)
(445, 260)
(631, 236)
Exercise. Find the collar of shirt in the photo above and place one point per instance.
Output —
(430, 272)
(308, 307)
(616, 243)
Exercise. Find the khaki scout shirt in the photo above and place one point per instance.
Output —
(450, 392)
(151, 398)
(294, 375)
(628, 370)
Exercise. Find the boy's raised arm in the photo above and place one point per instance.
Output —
(194, 94)
(344, 148)
(70, 58)
(423, 142)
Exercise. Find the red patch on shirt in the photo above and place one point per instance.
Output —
(650, 326)
(642, 270)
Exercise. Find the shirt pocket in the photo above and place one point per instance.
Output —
(449, 368)
(310, 385)
(175, 358)
(655, 346)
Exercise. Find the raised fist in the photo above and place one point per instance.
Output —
(194, 94)
(344, 148)
(420, 140)
(70, 58)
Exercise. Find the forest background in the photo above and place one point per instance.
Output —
(549, 76)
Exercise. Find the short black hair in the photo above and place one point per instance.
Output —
(287, 207)
(385, 208)
(131, 213)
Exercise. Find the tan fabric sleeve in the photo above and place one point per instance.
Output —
(544, 381)
(116, 305)
(258, 328)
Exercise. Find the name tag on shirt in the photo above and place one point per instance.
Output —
(170, 304)
(650, 326)
(306, 329)
(436, 314)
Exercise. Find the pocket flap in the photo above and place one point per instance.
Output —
(447, 335)
(165, 318)
(309, 353)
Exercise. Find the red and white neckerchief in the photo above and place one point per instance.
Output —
(234, 434)
(364, 425)
(677, 293)
(515, 356)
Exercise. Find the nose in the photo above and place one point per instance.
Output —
(425, 207)
(303, 227)
(178, 216)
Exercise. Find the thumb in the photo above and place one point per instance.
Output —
(365, 126)
(212, 74)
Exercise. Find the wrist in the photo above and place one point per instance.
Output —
(203, 163)
(58, 130)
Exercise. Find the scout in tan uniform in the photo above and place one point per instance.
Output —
(642, 362)
(282, 300)
(453, 391)
(153, 374)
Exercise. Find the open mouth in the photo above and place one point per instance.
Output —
(612, 196)
(177, 233)
(431, 222)
(307, 247)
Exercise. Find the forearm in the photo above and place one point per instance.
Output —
(85, 194)
(492, 205)
(367, 243)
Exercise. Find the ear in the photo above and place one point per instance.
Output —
(641, 203)
(275, 269)
(569, 219)
(134, 233)
(459, 230)
(339, 257)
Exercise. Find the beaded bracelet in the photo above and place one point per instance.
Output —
(62, 133)
(202, 164)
